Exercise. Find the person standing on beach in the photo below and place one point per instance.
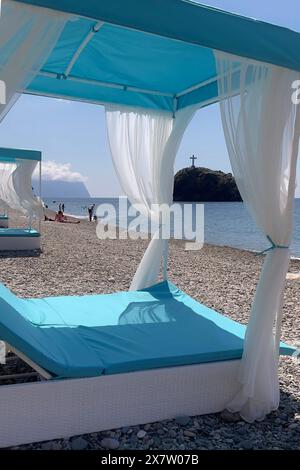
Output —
(63, 207)
(93, 209)
(90, 212)
(59, 207)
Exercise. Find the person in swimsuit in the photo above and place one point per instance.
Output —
(59, 217)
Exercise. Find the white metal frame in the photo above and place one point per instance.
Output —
(42, 372)
(88, 81)
(39, 411)
(82, 46)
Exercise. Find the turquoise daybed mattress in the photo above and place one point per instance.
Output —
(113, 333)
(18, 232)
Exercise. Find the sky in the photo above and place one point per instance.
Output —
(72, 135)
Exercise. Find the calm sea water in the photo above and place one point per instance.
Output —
(226, 223)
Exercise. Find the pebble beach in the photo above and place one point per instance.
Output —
(74, 262)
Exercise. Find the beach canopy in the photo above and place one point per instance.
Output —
(153, 63)
(153, 54)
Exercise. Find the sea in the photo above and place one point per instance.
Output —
(225, 223)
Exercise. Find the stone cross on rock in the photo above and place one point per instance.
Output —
(193, 158)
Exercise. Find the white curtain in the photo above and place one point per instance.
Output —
(16, 187)
(27, 36)
(143, 146)
(261, 127)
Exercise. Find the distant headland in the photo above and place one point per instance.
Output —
(63, 189)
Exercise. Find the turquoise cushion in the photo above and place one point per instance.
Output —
(18, 232)
(60, 351)
(121, 332)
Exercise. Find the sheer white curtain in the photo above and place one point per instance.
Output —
(143, 145)
(261, 127)
(27, 36)
(6, 170)
(16, 187)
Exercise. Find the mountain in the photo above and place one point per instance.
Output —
(204, 185)
(62, 189)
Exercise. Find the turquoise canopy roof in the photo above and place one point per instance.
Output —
(9, 154)
(152, 53)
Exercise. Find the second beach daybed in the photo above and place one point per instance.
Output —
(19, 239)
(16, 169)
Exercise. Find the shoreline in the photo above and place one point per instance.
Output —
(73, 217)
(256, 252)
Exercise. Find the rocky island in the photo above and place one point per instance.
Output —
(204, 185)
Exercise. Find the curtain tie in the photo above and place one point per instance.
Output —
(272, 247)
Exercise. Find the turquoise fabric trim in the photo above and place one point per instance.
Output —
(121, 332)
(3, 217)
(7, 160)
(18, 232)
(272, 247)
(10, 155)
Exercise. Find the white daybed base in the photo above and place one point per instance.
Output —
(20, 243)
(41, 411)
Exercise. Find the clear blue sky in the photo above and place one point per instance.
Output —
(74, 133)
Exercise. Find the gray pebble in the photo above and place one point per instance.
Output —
(109, 443)
(156, 442)
(229, 417)
(182, 420)
(141, 434)
(51, 445)
(188, 433)
(79, 443)
(125, 429)
(293, 426)
(242, 431)
(246, 445)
